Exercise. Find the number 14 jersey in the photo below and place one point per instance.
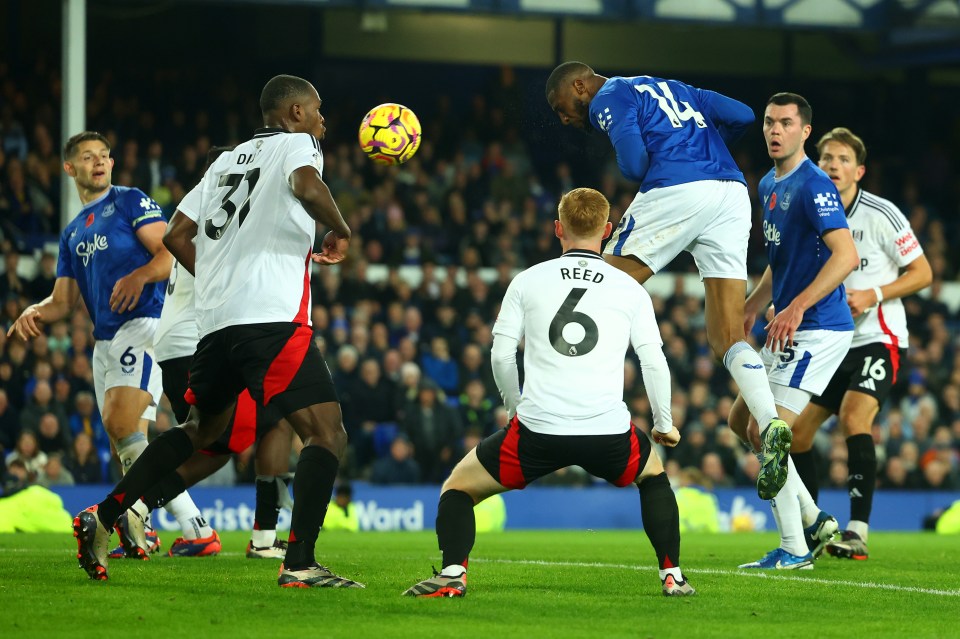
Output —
(578, 315)
(254, 238)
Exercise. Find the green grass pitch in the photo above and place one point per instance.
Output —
(522, 584)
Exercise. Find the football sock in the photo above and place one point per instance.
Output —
(267, 510)
(163, 456)
(661, 521)
(806, 464)
(456, 527)
(787, 513)
(862, 476)
(312, 488)
(809, 510)
(748, 371)
(164, 490)
(859, 527)
(129, 449)
(191, 521)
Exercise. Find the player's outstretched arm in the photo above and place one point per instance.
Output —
(58, 305)
(841, 263)
(315, 196)
(179, 240)
(656, 381)
(731, 117)
(126, 292)
(503, 359)
(917, 275)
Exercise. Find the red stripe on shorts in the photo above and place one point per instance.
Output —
(633, 464)
(893, 347)
(285, 365)
(511, 475)
(244, 424)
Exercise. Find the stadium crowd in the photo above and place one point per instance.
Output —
(410, 354)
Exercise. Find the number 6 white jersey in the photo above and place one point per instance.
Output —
(579, 315)
(254, 238)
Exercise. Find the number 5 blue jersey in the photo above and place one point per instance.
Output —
(799, 208)
(666, 132)
(100, 246)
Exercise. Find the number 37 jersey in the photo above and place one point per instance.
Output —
(578, 316)
(254, 238)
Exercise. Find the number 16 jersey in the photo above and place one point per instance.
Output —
(578, 316)
(254, 238)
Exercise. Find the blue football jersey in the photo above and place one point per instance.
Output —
(798, 209)
(666, 132)
(100, 246)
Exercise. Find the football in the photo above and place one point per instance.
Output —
(390, 134)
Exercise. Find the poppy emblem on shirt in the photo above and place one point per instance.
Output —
(773, 201)
(89, 219)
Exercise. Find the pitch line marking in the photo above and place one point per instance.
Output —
(757, 574)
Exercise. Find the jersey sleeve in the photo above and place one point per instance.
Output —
(510, 320)
(64, 265)
(897, 239)
(190, 205)
(729, 116)
(616, 112)
(302, 150)
(644, 329)
(821, 204)
(140, 209)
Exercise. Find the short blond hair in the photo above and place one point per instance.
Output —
(843, 135)
(584, 212)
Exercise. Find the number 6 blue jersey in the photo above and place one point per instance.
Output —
(666, 132)
(100, 246)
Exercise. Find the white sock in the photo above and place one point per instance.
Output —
(453, 570)
(675, 571)
(859, 527)
(191, 521)
(786, 512)
(809, 511)
(262, 538)
(128, 450)
(748, 371)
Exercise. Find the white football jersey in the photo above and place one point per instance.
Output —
(885, 243)
(254, 238)
(177, 332)
(578, 315)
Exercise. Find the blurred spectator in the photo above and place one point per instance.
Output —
(54, 473)
(476, 410)
(83, 461)
(40, 403)
(435, 431)
(29, 454)
(399, 467)
(51, 438)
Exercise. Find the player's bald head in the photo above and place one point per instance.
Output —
(281, 91)
(565, 74)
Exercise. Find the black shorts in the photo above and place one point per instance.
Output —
(250, 421)
(872, 369)
(516, 456)
(279, 364)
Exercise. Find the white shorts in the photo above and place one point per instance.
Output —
(809, 364)
(709, 219)
(128, 360)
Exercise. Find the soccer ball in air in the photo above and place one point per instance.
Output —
(390, 134)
